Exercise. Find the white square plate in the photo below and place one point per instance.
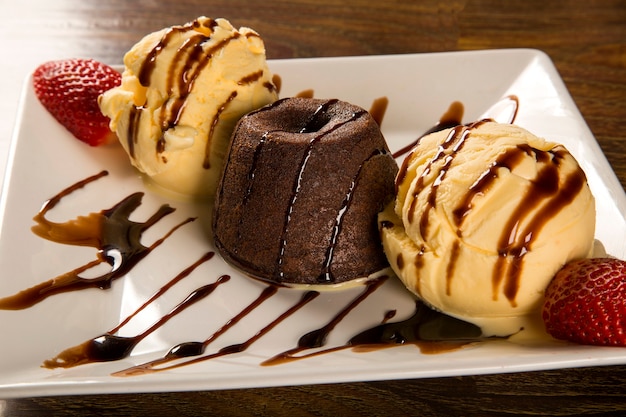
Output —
(45, 159)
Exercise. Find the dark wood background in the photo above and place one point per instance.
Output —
(585, 39)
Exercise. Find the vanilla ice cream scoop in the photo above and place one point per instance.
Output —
(183, 90)
(485, 215)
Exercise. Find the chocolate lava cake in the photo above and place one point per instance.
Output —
(301, 189)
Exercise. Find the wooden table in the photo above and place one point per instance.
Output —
(587, 42)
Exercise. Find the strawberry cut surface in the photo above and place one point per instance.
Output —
(69, 90)
(586, 303)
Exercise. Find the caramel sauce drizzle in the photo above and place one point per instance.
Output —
(110, 231)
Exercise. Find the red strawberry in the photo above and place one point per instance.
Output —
(69, 90)
(586, 302)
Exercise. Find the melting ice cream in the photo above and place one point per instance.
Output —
(484, 217)
(183, 89)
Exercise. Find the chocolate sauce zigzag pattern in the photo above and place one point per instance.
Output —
(118, 242)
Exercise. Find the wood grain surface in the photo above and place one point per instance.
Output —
(586, 41)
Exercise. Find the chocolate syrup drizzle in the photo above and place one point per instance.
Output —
(117, 239)
(378, 109)
(430, 330)
(427, 329)
(326, 276)
(206, 164)
(451, 118)
(317, 338)
(112, 232)
(314, 124)
(306, 298)
(110, 347)
(449, 148)
(514, 244)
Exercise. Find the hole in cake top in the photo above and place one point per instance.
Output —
(316, 123)
(301, 115)
(319, 118)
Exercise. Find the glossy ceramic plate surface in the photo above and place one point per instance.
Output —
(45, 159)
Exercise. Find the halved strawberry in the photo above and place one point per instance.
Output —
(69, 90)
(586, 302)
